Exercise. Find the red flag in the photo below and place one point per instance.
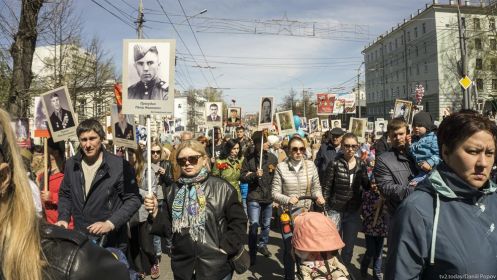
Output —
(119, 94)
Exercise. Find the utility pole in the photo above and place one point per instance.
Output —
(383, 81)
(139, 21)
(359, 88)
(464, 64)
(406, 63)
(303, 101)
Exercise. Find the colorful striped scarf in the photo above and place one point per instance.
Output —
(188, 210)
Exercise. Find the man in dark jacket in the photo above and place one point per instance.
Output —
(99, 189)
(328, 151)
(259, 199)
(394, 169)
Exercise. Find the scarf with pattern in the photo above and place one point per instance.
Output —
(188, 210)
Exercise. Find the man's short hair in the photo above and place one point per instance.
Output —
(234, 110)
(89, 125)
(240, 128)
(396, 124)
(54, 95)
(213, 105)
(140, 51)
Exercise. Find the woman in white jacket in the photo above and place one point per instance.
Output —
(295, 177)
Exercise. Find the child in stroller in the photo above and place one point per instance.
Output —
(316, 243)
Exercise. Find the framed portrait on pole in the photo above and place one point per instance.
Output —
(266, 112)
(61, 118)
(358, 126)
(123, 127)
(285, 122)
(148, 76)
(214, 114)
(313, 125)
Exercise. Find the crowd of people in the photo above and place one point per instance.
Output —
(429, 192)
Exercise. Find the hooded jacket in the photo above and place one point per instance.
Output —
(425, 148)
(445, 228)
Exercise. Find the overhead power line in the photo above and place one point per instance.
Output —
(113, 14)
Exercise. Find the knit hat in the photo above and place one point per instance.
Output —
(423, 119)
(314, 232)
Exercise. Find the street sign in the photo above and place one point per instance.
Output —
(465, 82)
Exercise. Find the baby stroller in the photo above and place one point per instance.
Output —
(316, 242)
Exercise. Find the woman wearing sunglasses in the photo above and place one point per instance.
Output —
(204, 217)
(346, 179)
(295, 177)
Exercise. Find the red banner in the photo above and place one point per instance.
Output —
(326, 102)
(118, 94)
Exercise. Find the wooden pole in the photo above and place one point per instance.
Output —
(45, 160)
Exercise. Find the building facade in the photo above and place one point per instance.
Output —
(425, 50)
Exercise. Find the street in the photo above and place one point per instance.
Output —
(272, 268)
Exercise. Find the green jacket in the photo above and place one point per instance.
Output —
(230, 171)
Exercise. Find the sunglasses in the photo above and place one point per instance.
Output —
(296, 149)
(353, 147)
(155, 152)
(193, 160)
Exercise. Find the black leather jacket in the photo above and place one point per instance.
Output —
(72, 256)
(225, 228)
(338, 193)
(166, 179)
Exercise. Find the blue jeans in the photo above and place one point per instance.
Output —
(374, 249)
(350, 225)
(258, 212)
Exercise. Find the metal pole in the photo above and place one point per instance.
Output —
(464, 66)
(303, 100)
(359, 88)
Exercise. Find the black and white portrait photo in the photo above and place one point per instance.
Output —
(61, 118)
(358, 126)
(313, 125)
(148, 76)
(40, 119)
(266, 111)
(325, 125)
(214, 113)
(123, 128)
(336, 123)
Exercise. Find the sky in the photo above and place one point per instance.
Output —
(247, 66)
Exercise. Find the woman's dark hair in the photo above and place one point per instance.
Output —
(228, 146)
(458, 127)
(89, 125)
(58, 147)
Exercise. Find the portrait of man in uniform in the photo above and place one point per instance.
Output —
(234, 117)
(60, 118)
(122, 128)
(147, 65)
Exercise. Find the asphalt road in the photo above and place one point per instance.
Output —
(272, 268)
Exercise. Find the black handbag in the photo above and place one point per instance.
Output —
(241, 261)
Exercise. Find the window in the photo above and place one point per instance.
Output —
(478, 45)
(479, 84)
(426, 85)
(479, 64)
(494, 84)
(397, 75)
(404, 89)
(426, 67)
(408, 36)
(491, 24)
(417, 51)
(425, 47)
(424, 27)
(415, 32)
(493, 44)
(401, 39)
(476, 24)
(417, 69)
(396, 43)
(493, 64)
(390, 46)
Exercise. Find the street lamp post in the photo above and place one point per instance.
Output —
(359, 88)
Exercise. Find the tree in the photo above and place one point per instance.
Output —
(22, 51)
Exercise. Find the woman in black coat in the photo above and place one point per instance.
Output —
(203, 215)
(342, 191)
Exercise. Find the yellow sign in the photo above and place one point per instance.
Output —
(465, 82)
